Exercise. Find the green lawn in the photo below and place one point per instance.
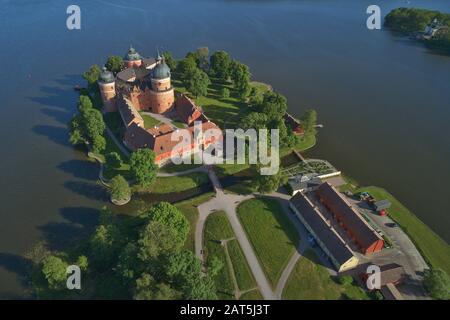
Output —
(433, 248)
(252, 295)
(271, 233)
(244, 276)
(149, 121)
(218, 228)
(177, 183)
(311, 281)
(189, 209)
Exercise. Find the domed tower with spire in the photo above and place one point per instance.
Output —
(162, 92)
(107, 86)
(132, 58)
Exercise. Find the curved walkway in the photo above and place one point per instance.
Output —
(228, 203)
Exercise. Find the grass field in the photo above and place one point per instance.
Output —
(242, 272)
(218, 228)
(178, 183)
(189, 209)
(252, 295)
(433, 248)
(311, 281)
(272, 235)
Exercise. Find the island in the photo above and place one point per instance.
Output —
(225, 231)
(428, 26)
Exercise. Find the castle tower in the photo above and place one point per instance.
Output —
(162, 91)
(132, 58)
(107, 85)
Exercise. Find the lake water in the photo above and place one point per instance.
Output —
(384, 100)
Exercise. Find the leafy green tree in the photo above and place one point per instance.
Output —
(154, 240)
(54, 270)
(143, 167)
(93, 123)
(254, 120)
(308, 121)
(220, 65)
(170, 61)
(240, 74)
(114, 64)
(147, 289)
(104, 245)
(113, 160)
(274, 106)
(269, 183)
(77, 133)
(197, 83)
(171, 217)
(119, 188)
(186, 67)
(202, 54)
(437, 283)
(128, 264)
(144, 287)
(84, 103)
(82, 262)
(98, 143)
(225, 93)
(92, 75)
(214, 266)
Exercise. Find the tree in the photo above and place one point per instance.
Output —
(98, 144)
(54, 270)
(254, 120)
(93, 123)
(273, 105)
(437, 283)
(214, 266)
(186, 67)
(104, 244)
(143, 167)
(155, 239)
(114, 64)
(197, 83)
(240, 74)
(82, 262)
(269, 183)
(220, 65)
(185, 271)
(202, 54)
(171, 217)
(128, 264)
(308, 121)
(170, 61)
(225, 93)
(113, 160)
(92, 75)
(144, 285)
(84, 103)
(119, 188)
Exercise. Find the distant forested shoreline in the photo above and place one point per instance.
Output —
(414, 21)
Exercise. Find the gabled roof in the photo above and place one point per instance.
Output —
(322, 229)
(187, 110)
(352, 219)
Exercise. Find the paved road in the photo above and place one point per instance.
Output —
(404, 252)
(228, 203)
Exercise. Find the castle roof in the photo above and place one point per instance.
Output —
(106, 76)
(132, 55)
(161, 71)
